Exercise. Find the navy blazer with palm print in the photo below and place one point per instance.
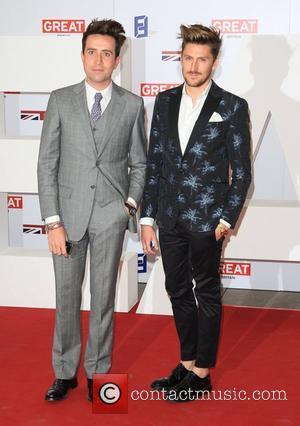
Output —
(211, 178)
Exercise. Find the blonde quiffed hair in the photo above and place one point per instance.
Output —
(199, 34)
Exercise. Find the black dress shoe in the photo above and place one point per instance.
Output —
(166, 383)
(191, 388)
(90, 389)
(60, 388)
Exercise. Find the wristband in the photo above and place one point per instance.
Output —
(54, 225)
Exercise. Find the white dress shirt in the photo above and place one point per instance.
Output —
(188, 115)
(90, 97)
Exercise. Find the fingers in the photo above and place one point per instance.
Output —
(58, 248)
(150, 246)
(220, 233)
(127, 211)
(64, 250)
(149, 250)
(57, 242)
(149, 240)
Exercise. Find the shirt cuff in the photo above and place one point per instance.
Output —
(225, 223)
(147, 221)
(52, 219)
(132, 202)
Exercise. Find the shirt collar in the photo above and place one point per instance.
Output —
(203, 94)
(106, 93)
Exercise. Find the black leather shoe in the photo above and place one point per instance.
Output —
(191, 388)
(60, 388)
(166, 383)
(90, 389)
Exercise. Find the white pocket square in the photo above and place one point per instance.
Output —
(215, 118)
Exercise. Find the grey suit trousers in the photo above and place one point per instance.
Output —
(104, 236)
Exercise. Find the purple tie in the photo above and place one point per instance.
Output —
(96, 108)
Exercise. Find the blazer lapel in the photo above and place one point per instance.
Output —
(174, 107)
(210, 105)
(117, 109)
(81, 104)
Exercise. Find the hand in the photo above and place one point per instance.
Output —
(149, 240)
(57, 241)
(127, 211)
(221, 231)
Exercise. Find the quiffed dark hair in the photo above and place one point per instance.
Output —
(200, 34)
(106, 27)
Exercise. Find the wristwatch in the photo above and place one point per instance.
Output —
(132, 210)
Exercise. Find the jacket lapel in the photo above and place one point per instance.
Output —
(175, 99)
(117, 109)
(84, 116)
(210, 105)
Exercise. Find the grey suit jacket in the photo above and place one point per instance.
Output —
(69, 162)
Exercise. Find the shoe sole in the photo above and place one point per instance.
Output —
(56, 400)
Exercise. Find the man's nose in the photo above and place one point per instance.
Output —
(99, 58)
(194, 66)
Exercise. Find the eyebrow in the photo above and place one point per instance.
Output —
(197, 57)
(102, 50)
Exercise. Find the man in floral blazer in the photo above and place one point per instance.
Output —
(197, 178)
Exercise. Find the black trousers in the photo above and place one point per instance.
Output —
(192, 259)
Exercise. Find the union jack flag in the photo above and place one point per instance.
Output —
(32, 115)
(34, 229)
(170, 55)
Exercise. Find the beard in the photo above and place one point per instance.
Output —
(198, 80)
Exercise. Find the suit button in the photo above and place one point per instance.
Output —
(93, 186)
(97, 163)
(94, 129)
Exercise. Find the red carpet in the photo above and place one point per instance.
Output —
(259, 350)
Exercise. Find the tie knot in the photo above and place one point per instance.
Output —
(98, 98)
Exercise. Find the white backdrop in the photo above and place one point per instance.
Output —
(260, 61)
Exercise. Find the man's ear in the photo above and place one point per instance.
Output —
(118, 60)
(216, 63)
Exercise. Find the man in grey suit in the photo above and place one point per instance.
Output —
(91, 175)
